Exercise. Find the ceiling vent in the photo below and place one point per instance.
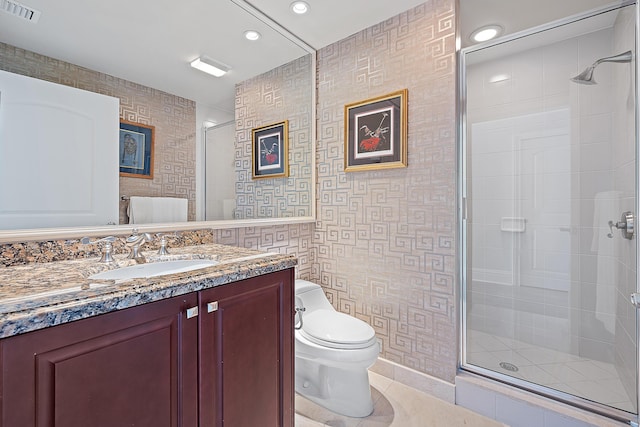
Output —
(19, 10)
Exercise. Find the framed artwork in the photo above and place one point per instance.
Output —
(136, 150)
(270, 151)
(376, 133)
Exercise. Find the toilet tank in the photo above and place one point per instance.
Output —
(311, 295)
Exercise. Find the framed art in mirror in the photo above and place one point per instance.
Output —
(376, 133)
(270, 151)
(135, 154)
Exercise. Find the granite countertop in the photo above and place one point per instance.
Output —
(40, 295)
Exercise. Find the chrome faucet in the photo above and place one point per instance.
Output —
(135, 242)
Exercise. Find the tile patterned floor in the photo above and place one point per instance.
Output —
(591, 379)
(395, 405)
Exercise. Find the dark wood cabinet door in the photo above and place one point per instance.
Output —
(133, 367)
(246, 365)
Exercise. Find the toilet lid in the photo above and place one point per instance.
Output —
(336, 330)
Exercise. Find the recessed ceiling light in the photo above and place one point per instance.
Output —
(485, 33)
(252, 35)
(210, 66)
(299, 7)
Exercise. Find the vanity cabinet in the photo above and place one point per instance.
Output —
(228, 363)
(135, 367)
(246, 345)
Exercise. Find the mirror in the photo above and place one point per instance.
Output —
(215, 104)
(278, 99)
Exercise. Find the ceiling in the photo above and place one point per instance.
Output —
(151, 42)
(517, 15)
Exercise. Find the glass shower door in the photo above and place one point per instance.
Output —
(549, 187)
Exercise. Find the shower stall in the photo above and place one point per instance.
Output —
(220, 171)
(548, 206)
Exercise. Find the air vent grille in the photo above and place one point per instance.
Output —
(19, 10)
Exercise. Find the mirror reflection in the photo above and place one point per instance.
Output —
(218, 125)
(283, 93)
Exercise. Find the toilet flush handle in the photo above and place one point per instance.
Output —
(299, 311)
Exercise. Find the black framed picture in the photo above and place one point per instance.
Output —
(136, 150)
(270, 151)
(376, 133)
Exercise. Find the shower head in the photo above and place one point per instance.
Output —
(586, 77)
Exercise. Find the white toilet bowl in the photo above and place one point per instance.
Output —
(333, 352)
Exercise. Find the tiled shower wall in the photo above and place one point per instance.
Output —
(624, 164)
(584, 180)
(584, 311)
(385, 241)
(174, 119)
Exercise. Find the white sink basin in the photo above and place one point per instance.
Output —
(154, 269)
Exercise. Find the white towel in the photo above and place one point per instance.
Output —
(146, 210)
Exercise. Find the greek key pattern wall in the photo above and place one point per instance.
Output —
(293, 239)
(174, 119)
(384, 243)
(280, 94)
(174, 154)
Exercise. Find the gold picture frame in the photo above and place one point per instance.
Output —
(375, 134)
(136, 150)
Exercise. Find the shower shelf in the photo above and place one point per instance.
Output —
(513, 224)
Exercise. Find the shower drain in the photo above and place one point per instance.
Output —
(509, 366)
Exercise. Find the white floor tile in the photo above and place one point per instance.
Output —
(395, 405)
(590, 379)
(590, 370)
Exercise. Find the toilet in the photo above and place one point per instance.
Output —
(332, 354)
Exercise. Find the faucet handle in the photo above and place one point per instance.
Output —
(87, 240)
(107, 249)
(163, 242)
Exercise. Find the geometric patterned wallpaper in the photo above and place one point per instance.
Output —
(174, 119)
(384, 245)
(284, 93)
(292, 239)
(174, 153)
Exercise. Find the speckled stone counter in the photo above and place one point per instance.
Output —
(40, 295)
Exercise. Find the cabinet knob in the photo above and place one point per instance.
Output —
(212, 306)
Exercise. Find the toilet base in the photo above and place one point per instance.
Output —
(343, 391)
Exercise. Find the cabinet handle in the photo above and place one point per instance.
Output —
(212, 306)
(192, 312)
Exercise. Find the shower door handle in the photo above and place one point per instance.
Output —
(625, 225)
(635, 299)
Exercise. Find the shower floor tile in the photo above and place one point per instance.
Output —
(590, 379)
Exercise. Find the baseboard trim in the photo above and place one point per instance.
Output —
(418, 380)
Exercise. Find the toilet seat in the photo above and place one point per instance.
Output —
(333, 329)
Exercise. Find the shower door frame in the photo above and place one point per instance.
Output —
(556, 395)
